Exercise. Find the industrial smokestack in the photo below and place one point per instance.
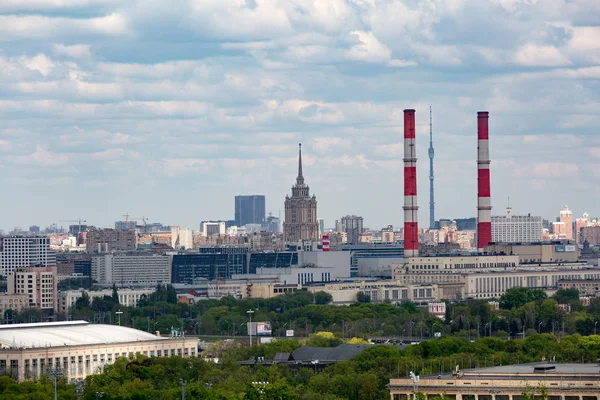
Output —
(484, 205)
(411, 228)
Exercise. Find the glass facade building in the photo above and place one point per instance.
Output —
(249, 210)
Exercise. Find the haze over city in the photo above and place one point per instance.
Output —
(170, 110)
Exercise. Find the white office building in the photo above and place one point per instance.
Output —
(26, 251)
(132, 269)
(516, 228)
(127, 297)
(212, 228)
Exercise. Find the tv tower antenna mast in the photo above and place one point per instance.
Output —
(431, 154)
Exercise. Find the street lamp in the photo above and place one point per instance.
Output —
(540, 327)
(54, 373)
(250, 312)
(595, 324)
(119, 312)
(79, 388)
(183, 385)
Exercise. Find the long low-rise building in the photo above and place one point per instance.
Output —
(131, 269)
(508, 382)
(77, 348)
(127, 297)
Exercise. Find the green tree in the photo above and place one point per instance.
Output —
(323, 298)
(83, 301)
(362, 297)
(519, 296)
(115, 294)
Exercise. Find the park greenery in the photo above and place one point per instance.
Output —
(474, 334)
(362, 378)
(521, 312)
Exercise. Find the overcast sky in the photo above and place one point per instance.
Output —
(170, 109)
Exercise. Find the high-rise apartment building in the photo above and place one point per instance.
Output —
(249, 210)
(26, 251)
(107, 240)
(566, 217)
(516, 228)
(300, 211)
(39, 283)
(581, 223)
(353, 226)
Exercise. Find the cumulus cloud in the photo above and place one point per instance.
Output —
(219, 93)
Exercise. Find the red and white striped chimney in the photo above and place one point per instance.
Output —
(411, 228)
(484, 205)
(325, 243)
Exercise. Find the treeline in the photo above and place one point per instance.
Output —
(363, 378)
(522, 311)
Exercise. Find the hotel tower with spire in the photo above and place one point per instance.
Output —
(300, 210)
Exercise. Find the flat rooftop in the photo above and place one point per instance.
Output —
(543, 370)
(68, 333)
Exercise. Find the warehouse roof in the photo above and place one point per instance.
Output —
(68, 333)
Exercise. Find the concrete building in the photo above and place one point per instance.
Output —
(352, 225)
(249, 210)
(212, 228)
(485, 285)
(378, 291)
(26, 251)
(541, 252)
(127, 269)
(300, 211)
(79, 348)
(15, 302)
(40, 284)
(566, 217)
(107, 240)
(127, 297)
(311, 266)
(182, 238)
(562, 381)
(590, 234)
(586, 287)
(516, 228)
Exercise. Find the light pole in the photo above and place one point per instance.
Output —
(119, 312)
(595, 324)
(540, 327)
(250, 312)
(54, 373)
(79, 388)
(183, 385)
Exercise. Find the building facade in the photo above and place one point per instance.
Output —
(40, 284)
(566, 217)
(79, 349)
(249, 210)
(209, 263)
(127, 297)
(301, 221)
(508, 382)
(26, 251)
(353, 226)
(516, 228)
(107, 240)
(128, 269)
(212, 228)
(590, 234)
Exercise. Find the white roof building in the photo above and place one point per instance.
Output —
(79, 348)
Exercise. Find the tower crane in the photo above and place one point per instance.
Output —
(79, 221)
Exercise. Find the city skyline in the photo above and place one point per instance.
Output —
(112, 108)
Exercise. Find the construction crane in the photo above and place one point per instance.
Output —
(79, 221)
(143, 219)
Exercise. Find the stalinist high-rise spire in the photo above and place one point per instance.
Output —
(300, 178)
(301, 221)
(431, 196)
